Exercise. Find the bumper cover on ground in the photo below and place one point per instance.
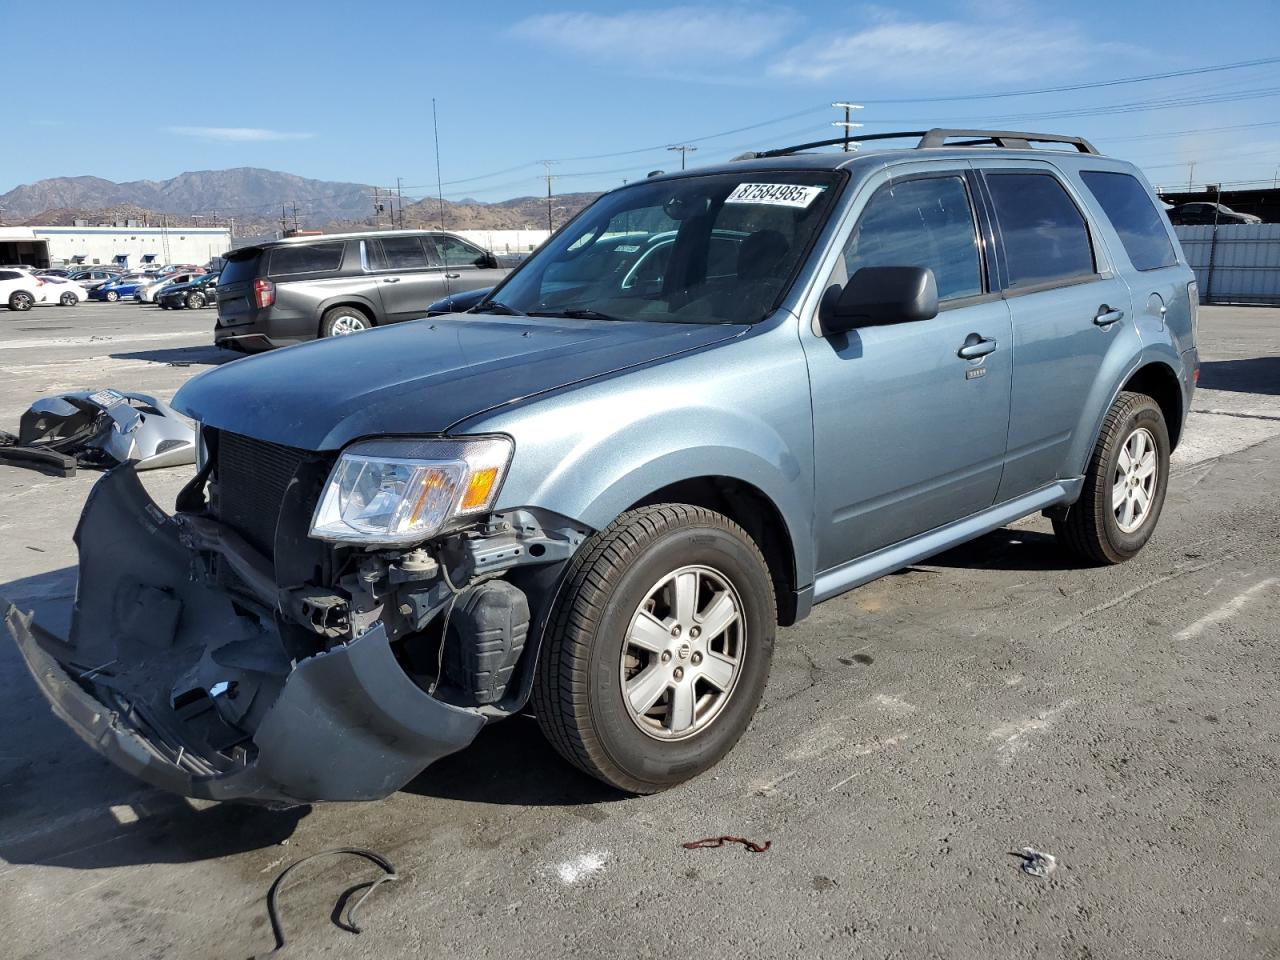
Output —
(345, 724)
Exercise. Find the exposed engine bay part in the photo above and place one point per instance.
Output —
(201, 664)
(99, 428)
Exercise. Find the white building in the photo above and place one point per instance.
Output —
(130, 247)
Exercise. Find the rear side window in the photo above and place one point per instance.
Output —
(1045, 235)
(9, 275)
(396, 253)
(307, 258)
(921, 223)
(1129, 208)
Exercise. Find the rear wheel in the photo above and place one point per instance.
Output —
(1124, 487)
(21, 301)
(343, 321)
(659, 648)
(68, 299)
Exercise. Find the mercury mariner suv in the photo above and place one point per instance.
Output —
(710, 401)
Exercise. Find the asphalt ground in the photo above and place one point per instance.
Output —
(916, 734)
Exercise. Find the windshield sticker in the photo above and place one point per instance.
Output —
(775, 194)
(629, 248)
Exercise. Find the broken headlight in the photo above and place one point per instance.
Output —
(400, 492)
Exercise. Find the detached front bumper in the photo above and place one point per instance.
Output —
(154, 653)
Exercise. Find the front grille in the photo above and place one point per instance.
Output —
(252, 477)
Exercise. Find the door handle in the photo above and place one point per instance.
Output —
(452, 276)
(1106, 316)
(976, 346)
(390, 279)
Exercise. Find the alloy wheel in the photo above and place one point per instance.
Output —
(346, 325)
(683, 653)
(1134, 482)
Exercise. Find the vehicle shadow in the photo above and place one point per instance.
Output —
(1007, 549)
(209, 356)
(511, 763)
(1252, 375)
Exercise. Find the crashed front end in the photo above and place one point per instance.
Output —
(222, 652)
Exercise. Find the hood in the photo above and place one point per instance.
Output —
(421, 377)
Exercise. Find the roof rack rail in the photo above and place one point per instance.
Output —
(937, 137)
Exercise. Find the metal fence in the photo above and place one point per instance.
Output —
(1236, 263)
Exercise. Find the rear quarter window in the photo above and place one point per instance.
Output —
(1129, 208)
(292, 260)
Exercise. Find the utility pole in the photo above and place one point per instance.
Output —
(400, 203)
(550, 177)
(1191, 172)
(295, 216)
(284, 220)
(847, 123)
(683, 148)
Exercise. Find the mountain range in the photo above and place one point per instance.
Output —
(256, 199)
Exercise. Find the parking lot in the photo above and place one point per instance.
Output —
(916, 732)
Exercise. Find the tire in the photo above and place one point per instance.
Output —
(68, 300)
(194, 301)
(112, 296)
(588, 662)
(1095, 528)
(343, 321)
(21, 301)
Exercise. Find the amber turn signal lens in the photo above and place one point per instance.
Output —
(479, 488)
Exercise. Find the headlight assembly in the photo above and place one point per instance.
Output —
(400, 492)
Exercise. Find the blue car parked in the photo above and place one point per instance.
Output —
(117, 289)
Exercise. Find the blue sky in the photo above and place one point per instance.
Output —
(343, 92)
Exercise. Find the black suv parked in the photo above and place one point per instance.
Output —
(287, 291)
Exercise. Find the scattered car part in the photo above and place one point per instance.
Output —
(100, 428)
(750, 845)
(1035, 863)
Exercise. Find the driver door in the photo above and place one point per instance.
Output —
(909, 435)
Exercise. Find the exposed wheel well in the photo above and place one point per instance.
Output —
(752, 510)
(1160, 383)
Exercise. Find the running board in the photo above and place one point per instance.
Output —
(836, 581)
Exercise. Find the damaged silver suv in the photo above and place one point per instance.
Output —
(708, 402)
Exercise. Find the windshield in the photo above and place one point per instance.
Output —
(719, 248)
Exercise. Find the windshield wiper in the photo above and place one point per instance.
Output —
(578, 314)
(497, 306)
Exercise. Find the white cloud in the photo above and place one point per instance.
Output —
(719, 34)
(981, 52)
(238, 134)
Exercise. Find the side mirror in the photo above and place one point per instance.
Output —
(487, 262)
(879, 295)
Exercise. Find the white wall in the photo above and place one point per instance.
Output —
(505, 241)
(195, 245)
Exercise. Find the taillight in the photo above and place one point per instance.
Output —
(1193, 297)
(264, 292)
(39, 282)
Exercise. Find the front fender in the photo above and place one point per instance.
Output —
(739, 410)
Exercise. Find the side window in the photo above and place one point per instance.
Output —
(397, 253)
(1129, 208)
(1045, 235)
(309, 258)
(9, 274)
(921, 223)
(457, 253)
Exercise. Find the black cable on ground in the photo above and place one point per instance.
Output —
(349, 924)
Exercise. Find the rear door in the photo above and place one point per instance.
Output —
(235, 286)
(408, 282)
(1068, 305)
(467, 267)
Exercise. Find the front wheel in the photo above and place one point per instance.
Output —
(112, 296)
(659, 648)
(194, 301)
(1124, 486)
